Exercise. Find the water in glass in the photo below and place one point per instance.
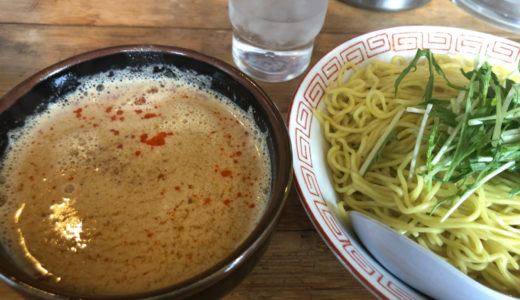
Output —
(273, 39)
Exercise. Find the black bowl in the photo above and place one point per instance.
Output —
(51, 84)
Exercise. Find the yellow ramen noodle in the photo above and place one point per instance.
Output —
(481, 238)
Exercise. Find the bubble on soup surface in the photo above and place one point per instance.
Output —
(69, 188)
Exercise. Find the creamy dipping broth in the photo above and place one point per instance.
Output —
(132, 184)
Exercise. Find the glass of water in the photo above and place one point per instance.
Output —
(273, 39)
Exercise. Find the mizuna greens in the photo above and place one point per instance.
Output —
(472, 138)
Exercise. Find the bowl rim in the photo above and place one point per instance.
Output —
(280, 186)
(406, 291)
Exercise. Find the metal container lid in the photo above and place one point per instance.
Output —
(504, 14)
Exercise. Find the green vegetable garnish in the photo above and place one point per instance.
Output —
(474, 137)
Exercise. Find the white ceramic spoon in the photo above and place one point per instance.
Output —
(415, 265)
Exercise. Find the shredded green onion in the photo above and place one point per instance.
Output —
(481, 130)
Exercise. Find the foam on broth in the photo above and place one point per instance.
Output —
(132, 184)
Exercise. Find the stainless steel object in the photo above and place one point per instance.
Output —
(501, 13)
(386, 5)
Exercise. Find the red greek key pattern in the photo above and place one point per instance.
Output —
(310, 182)
(355, 53)
(393, 288)
(315, 90)
(471, 44)
(378, 44)
(303, 148)
(440, 41)
(407, 41)
(332, 67)
(504, 51)
(360, 260)
(304, 118)
(331, 222)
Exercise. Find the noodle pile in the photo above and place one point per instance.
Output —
(481, 237)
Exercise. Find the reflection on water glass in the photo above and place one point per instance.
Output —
(273, 39)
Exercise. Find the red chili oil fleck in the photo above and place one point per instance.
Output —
(149, 234)
(52, 128)
(78, 112)
(71, 178)
(109, 109)
(227, 202)
(122, 119)
(185, 96)
(157, 140)
(149, 116)
(235, 161)
(120, 146)
(213, 132)
(119, 112)
(31, 177)
(163, 191)
(226, 173)
(113, 118)
(177, 188)
(236, 154)
(246, 132)
(138, 111)
(152, 90)
(251, 205)
(137, 153)
(140, 101)
(115, 132)
(53, 187)
(207, 201)
(239, 194)
(95, 125)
